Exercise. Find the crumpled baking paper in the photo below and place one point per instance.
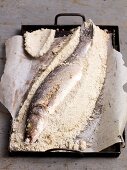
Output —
(105, 128)
(18, 73)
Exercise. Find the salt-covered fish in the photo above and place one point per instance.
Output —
(56, 86)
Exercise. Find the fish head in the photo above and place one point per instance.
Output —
(35, 125)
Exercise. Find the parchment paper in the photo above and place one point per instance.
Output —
(114, 104)
(18, 73)
(109, 118)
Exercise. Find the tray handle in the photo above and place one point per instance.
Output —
(68, 14)
(64, 149)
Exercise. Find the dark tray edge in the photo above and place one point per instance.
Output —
(116, 153)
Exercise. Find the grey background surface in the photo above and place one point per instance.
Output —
(14, 13)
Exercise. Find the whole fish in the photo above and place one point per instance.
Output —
(56, 86)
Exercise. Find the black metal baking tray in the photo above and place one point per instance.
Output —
(112, 151)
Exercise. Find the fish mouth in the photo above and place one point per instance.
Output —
(31, 137)
(34, 127)
(30, 133)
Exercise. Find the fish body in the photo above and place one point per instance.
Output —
(56, 87)
(49, 95)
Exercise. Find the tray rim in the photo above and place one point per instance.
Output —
(115, 43)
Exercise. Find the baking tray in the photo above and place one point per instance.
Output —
(61, 30)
